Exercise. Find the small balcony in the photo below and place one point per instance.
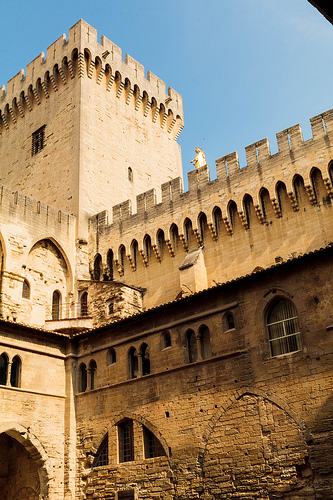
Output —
(68, 317)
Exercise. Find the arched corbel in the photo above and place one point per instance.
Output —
(184, 242)
(144, 258)
(5, 122)
(293, 201)
(243, 219)
(328, 186)
(36, 96)
(276, 207)
(156, 113)
(198, 236)
(157, 253)
(164, 119)
(212, 230)
(227, 225)
(170, 248)
(53, 83)
(12, 114)
(44, 87)
(172, 124)
(91, 69)
(100, 75)
(70, 68)
(147, 108)
(80, 64)
(177, 134)
(119, 267)
(120, 89)
(138, 102)
(28, 102)
(62, 75)
(259, 214)
(131, 262)
(129, 96)
(311, 194)
(20, 108)
(110, 83)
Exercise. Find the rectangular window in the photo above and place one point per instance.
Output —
(38, 140)
(126, 495)
(125, 437)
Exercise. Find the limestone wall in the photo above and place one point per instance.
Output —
(33, 414)
(236, 421)
(276, 207)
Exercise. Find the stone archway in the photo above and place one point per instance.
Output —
(256, 449)
(23, 473)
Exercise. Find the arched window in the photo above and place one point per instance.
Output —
(3, 369)
(15, 374)
(299, 189)
(111, 356)
(134, 253)
(97, 267)
(84, 304)
(56, 305)
(202, 223)
(130, 174)
(160, 242)
(228, 321)
(206, 350)
(109, 263)
(82, 377)
(188, 231)
(92, 374)
(122, 257)
(25, 290)
(318, 185)
(217, 218)
(102, 455)
(191, 346)
(174, 236)
(265, 202)
(233, 213)
(147, 246)
(125, 441)
(152, 445)
(283, 329)
(248, 206)
(132, 363)
(144, 350)
(165, 340)
(282, 197)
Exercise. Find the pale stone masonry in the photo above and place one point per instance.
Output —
(156, 343)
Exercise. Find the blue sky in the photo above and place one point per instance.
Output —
(246, 68)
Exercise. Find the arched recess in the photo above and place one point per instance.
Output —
(19, 441)
(301, 195)
(47, 271)
(278, 441)
(318, 185)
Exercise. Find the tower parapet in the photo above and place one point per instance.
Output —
(81, 55)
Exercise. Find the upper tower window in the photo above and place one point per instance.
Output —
(38, 140)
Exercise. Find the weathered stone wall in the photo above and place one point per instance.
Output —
(239, 423)
(276, 207)
(33, 414)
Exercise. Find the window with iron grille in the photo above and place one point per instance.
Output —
(38, 140)
(126, 445)
(102, 455)
(153, 447)
(283, 328)
(126, 495)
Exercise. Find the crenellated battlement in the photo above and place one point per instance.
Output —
(16, 207)
(82, 56)
(263, 170)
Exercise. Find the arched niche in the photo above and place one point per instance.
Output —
(24, 472)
